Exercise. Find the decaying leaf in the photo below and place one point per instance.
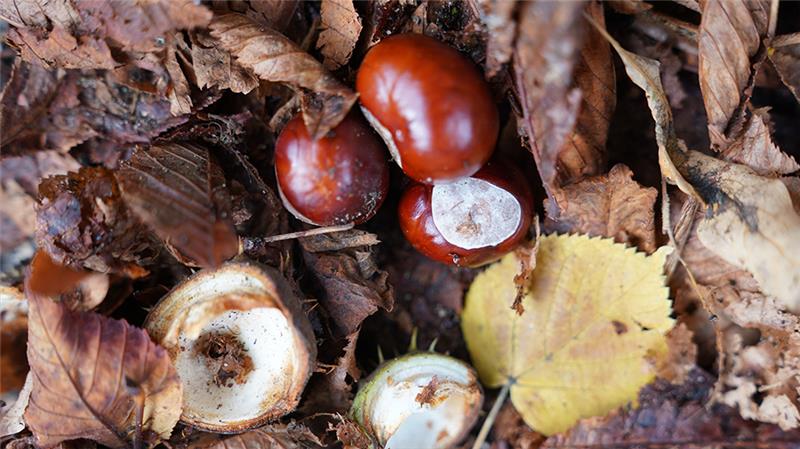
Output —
(273, 436)
(179, 190)
(753, 224)
(730, 51)
(591, 335)
(60, 48)
(215, 68)
(754, 147)
(11, 420)
(82, 221)
(97, 378)
(786, 60)
(275, 58)
(501, 30)
(584, 151)
(612, 205)
(671, 415)
(331, 390)
(13, 336)
(341, 27)
(544, 59)
(352, 286)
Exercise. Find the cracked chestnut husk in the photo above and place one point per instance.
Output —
(422, 399)
(241, 343)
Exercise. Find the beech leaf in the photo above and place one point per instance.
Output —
(592, 333)
(179, 191)
(97, 378)
(275, 58)
(341, 27)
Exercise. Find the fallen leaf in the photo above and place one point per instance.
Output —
(97, 378)
(39, 13)
(215, 68)
(341, 27)
(275, 58)
(595, 318)
(276, 13)
(271, 436)
(730, 52)
(13, 337)
(17, 220)
(338, 241)
(584, 151)
(682, 355)
(11, 419)
(786, 60)
(179, 191)
(612, 205)
(671, 415)
(752, 224)
(754, 147)
(331, 391)
(179, 94)
(385, 18)
(546, 51)
(501, 29)
(510, 429)
(61, 49)
(352, 286)
(82, 221)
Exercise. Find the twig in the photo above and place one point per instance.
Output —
(489, 421)
(257, 245)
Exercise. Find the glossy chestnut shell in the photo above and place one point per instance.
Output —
(341, 178)
(416, 216)
(431, 105)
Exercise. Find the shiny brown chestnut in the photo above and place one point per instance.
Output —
(340, 178)
(469, 222)
(431, 105)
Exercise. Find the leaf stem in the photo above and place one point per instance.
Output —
(489, 421)
(257, 245)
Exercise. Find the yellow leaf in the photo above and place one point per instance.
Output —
(592, 332)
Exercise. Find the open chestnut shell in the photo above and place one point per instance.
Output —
(469, 222)
(340, 178)
(431, 105)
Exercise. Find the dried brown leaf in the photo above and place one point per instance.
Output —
(546, 51)
(97, 378)
(682, 357)
(786, 60)
(331, 391)
(338, 241)
(272, 436)
(730, 52)
(13, 336)
(384, 18)
(501, 30)
(276, 13)
(341, 27)
(612, 205)
(11, 419)
(39, 13)
(179, 191)
(275, 58)
(584, 152)
(754, 147)
(82, 221)
(61, 49)
(510, 429)
(352, 286)
(674, 416)
(214, 68)
(179, 94)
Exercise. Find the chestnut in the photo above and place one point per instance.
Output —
(431, 105)
(469, 222)
(340, 178)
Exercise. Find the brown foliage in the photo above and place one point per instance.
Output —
(97, 378)
(179, 191)
(786, 59)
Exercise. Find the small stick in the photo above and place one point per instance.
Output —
(489, 421)
(256, 245)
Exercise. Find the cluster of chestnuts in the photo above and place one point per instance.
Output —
(435, 113)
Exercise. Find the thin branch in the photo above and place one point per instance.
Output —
(257, 245)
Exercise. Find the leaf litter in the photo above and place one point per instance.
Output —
(136, 147)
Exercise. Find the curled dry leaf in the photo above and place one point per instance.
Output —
(341, 27)
(179, 191)
(275, 58)
(584, 151)
(273, 436)
(97, 378)
(544, 59)
(82, 221)
(754, 147)
(595, 318)
(352, 286)
(214, 67)
(612, 205)
(241, 344)
(730, 53)
(56, 111)
(672, 415)
(786, 60)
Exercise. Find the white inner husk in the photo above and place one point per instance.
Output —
(385, 134)
(267, 340)
(473, 213)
